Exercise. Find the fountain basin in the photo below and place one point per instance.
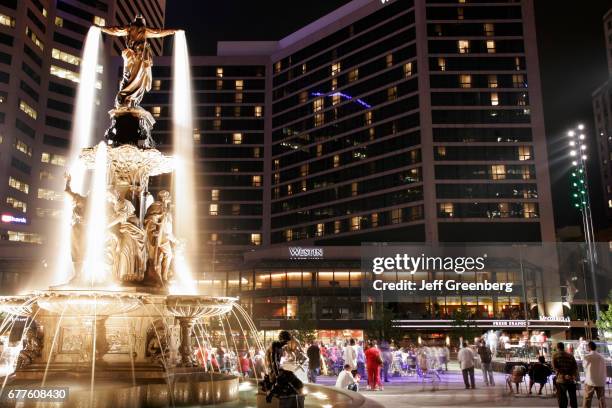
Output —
(88, 303)
(196, 307)
(17, 305)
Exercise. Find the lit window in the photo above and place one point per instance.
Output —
(157, 84)
(304, 170)
(156, 110)
(529, 210)
(219, 72)
(196, 135)
(304, 185)
(446, 210)
(217, 111)
(23, 147)
(337, 227)
(489, 29)
(28, 237)
(355, 223)
(56, 159)
(389, 60)
(336, 68)
(442, 64)
(214, 195)
(334, 84)
(27, 109)
(256, 239)
(45, 194)
(526, 172)
(517, 63)
(354, 189)
(317, 104)
(239, 84)
(16, 204)
(392, 93)
(524, 153)
(465, 81)
(463, 46)
(396, 216)
(219, 84)
(289, 235)
(494, 99)
(460, 13)
(46, 175)
(353, 75)
(336, 99)
(7, 20)
(256, 152)
(303, 96)
(441, 150)
(32, 36)
(214, 237)
(491, 46)
(319, 119)
(336, 160)
(368, 118)
(213, 209)
(492, 80)
(53, 213)
(238, 97)
(408, 69)
(66, 57)
(59, 21)
(304, 68)
(498, 172)
(277, 67)
(69, 75)
(258, 111)
(44, 12)
(320, 230)
(256, 181)
(100, 21)
(289, 190)
(374, 218)
(518, 81)
(19, 185)
(237, 138)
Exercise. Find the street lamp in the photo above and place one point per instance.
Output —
(582, 201)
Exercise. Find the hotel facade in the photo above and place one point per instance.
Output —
(403, 121)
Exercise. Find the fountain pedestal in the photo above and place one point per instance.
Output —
(185, 349)
(289, 401)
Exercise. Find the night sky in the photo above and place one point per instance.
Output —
(570, 41)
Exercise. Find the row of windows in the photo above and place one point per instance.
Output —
(491, 153)
(389, 199)
(481, 116)
(488, 210)
(491, 81)
(475, 46)
(490, 172)
(467, 63)
(338, 192)
(355, 223)
(216, 209)
(479, 99)
(510, 12)
(498, 29)
(489, 190)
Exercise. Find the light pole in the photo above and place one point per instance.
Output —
(582, 201)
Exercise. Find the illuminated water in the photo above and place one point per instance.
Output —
(94, 268)
(185, 225)
(81, 137)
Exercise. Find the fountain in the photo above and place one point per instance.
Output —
(114, 332)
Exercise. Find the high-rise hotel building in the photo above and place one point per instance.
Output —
(409, 121)
(602, 109)
(41, 42)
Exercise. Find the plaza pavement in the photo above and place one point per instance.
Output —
(450, 392)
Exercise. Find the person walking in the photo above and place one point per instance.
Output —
(360, 360)
(595, 377)
(373, 362)
(314, 362)
(349, 355)
(566, 368)
(387, 357)
(486, 357)
(466, 362)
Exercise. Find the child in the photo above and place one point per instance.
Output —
(518, 372)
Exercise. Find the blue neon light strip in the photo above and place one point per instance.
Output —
(343, 95)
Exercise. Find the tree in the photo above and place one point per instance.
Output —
(463, 326)
(604, 324)
(306, 332)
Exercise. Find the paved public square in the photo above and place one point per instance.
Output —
(451, 392)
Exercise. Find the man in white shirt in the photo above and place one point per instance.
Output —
(595, 377)
(466, 362)
(349, 355)
(345, 378)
